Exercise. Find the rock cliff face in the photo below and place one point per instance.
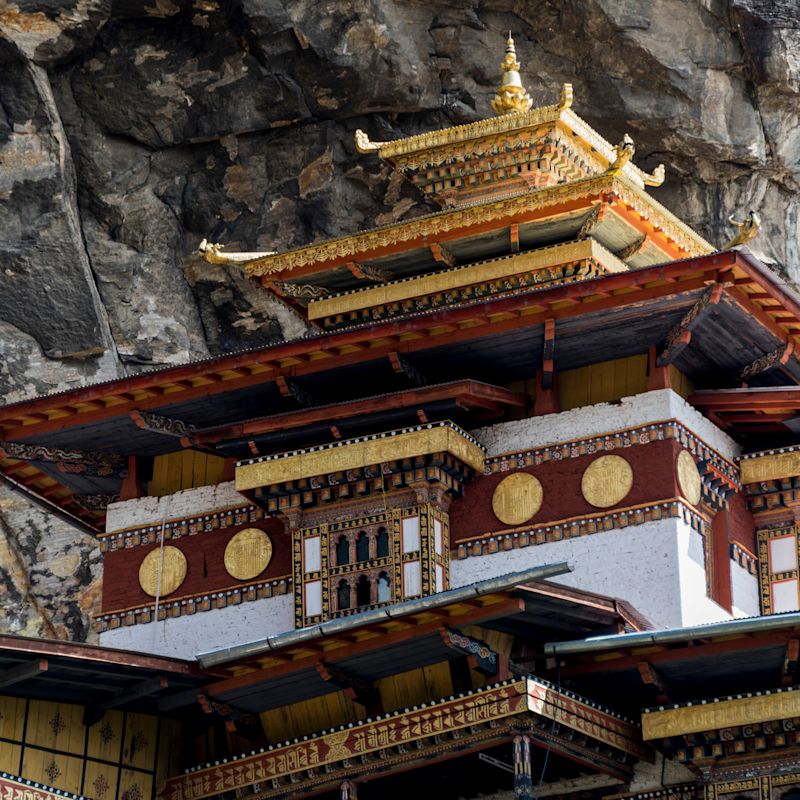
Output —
(132, 129)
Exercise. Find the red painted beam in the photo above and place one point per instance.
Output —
(532, 307)
(470, 393)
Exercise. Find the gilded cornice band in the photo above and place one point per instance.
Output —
(361, 244)
(663, 723)
(442, 437)
(770, 466)
(457, 277)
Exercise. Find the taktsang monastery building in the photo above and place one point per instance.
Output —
(517, 517)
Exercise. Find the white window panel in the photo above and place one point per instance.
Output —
(438, 544)
(311, 554)
(410, 534)
(439, 578)
(784, 596)
(782, 554)
(313, 598)
(412, 579)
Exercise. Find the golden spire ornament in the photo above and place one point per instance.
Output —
(511, 97)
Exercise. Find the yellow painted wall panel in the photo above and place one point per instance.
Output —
(168, 758)
(680, 383)
(139, 748)
(105, 736)
(603, 382)
(100, 780)
(184, 469)
(12, 718)
(53, 769)
(134, 785)
(9, 757)
(58, 726)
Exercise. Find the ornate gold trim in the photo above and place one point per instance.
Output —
(455, 278)
(361, 244)
(770, 467)
(719, 714)
(354, 453)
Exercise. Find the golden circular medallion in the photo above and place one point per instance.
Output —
(248, 553)
(606, 481)
(689, 477)
(172, 573)
(517, 498)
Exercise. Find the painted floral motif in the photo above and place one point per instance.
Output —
(101, 786)
(52, 771)
(57, 723)
(106, 733)
(134, 793)
(138, 743)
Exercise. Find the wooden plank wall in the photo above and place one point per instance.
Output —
(320, 713)
(184, 469)
(121, 757)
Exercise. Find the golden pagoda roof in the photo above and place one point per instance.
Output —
(443, 221)
(436, 147)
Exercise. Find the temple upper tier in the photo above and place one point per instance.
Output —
(513, 189)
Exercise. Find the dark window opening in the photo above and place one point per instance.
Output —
(342, 551)
(363, 592)
(362, 547)
(382, 543)
(343, 595)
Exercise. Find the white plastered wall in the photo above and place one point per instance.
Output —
(186, 503)
(744, 587)
(185, 637)
(588, 421)
(654, 566)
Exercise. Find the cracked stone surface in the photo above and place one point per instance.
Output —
(132, 129)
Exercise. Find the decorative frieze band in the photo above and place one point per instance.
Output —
(177, 528)
(657, 431)
(745, 559)
(186, 606)
(581, 526)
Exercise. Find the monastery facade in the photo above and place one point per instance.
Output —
(516, 517)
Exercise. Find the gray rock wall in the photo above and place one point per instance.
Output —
(132, 129)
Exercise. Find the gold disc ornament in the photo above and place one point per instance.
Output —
(689, 477)
(606, 481)
(172, 563)
(517, 498)
(248, 553)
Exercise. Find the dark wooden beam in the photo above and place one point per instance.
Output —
(680, 336)
(651, 677)
(156, 423)
(790, 661)
(291, 389)
(548, 353)
(367, 272)
(84, 462)
(777, 357)
(23, 672)
(443, 255)
(234, 719)
(354, 686)
(94, 713)
(402, 366)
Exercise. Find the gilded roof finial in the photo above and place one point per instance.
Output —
(748, 229)
(511, 97)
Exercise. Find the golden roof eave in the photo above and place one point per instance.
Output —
(560, 113)
(440, 437)
(360, 244)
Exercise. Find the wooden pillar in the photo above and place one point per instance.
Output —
(523, 784)
(657, 377)
(721, 591)
(131, 487)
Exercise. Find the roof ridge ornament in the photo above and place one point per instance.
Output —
(511, 97)
(748, 229)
